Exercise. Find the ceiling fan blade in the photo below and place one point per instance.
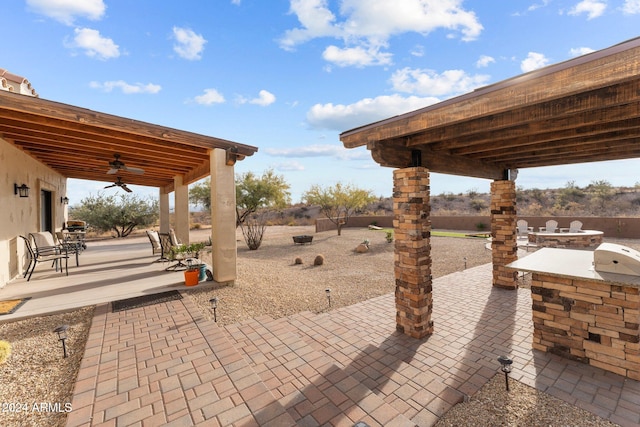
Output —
(109, 186)
(112, 171)
(131, 169)
(125, 188)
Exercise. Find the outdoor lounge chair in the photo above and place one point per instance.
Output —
(37, 254)
(550, 227)
(523, 227)
(574, 227)
(154, 239)
(169, 254)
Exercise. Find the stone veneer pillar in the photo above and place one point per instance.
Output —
(412, 224)
(504, 246)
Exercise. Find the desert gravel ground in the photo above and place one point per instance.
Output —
(270, 283)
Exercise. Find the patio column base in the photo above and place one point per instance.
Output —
(412, 224)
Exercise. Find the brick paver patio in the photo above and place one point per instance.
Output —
(165, 365)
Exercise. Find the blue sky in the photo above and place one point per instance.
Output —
(289, 75)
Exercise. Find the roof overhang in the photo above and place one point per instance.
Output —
(583, 110)
(80, 143)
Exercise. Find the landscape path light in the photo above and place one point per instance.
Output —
(214, 305)
(328, 292)
(505, 363)
(62, 336)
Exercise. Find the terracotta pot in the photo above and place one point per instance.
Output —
(191, 277)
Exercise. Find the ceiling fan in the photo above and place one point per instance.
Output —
(120, 184)
(117, 165)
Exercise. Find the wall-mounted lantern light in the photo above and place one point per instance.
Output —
(22, 190)
(64, 200)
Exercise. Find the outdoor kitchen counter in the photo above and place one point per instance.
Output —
(583, 314)
(570, 263)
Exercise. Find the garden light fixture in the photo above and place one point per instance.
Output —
(214, 305)
(328, 292)
(505, 363)
(62, 336)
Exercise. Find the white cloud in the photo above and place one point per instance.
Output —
(66, 11)
(357, 56)
(533, 61)
(343, 117)
(579, 51)
(366, 25)
(291, 166)
(484, 61)
(538, 5)
(318, 150)
(189, 45)
(93, 44)
(631, 7)
(264, 98)
(125, 87)
(428, 82)
(418, 51)
(210, 97)
(593, 8)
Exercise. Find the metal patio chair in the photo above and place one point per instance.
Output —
(53, 254)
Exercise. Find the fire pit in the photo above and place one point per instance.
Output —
(302, 239)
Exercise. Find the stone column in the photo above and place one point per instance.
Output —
(181, 209)
(504, 246)
(164, 212)
(412, 224)
(223, 218)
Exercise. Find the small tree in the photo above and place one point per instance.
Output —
(121, 214)
(269, 191)
(338, 203)
(200, 194)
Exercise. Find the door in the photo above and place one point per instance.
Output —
(46, 211)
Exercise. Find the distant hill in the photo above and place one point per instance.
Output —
(597, 199)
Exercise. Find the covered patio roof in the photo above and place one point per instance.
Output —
(583, 110)
(80, 143)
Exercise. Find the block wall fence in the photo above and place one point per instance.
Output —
(628, 228)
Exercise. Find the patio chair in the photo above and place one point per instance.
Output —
(43, 254)
(71, 246)
(575, 226)
(154, 239)
(523, 228)
(169, 254)
(550, 227)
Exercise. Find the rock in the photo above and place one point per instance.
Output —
(362, 248)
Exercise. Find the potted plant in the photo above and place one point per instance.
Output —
(192, 273)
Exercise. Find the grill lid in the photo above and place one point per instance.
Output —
(613, 258)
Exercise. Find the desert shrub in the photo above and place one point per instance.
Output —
(297, 261)
(319, 260)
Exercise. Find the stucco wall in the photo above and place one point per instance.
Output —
(20, 216)
(628, 228)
